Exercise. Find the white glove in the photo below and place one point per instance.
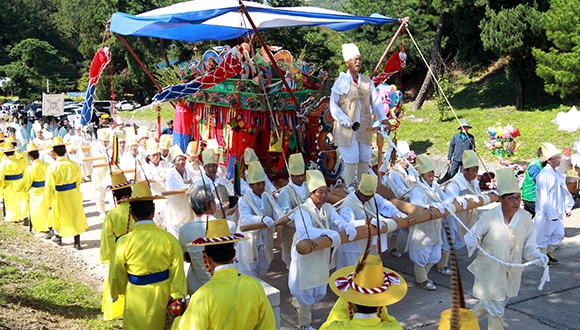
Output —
(461, 200)
(472, 240)
(351, 232)
(333, 235)
(492, 192)
(474, 198)
(269, 222)
(439, 206)
(345, 122)
(400, 215)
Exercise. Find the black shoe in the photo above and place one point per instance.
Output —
(551, 259)
(49, 234)
(77, 244)
(26, 222)
(57, 239)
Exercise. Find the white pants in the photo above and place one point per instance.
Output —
(356, 152)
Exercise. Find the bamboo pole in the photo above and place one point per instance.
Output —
(403, 22)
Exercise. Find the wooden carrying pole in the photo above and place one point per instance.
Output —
(423, 215)
(403, 22)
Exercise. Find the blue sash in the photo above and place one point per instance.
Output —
(37, 184)
(149, 278)
(65, 187)
(13, 177)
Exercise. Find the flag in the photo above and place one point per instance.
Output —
(100, 60)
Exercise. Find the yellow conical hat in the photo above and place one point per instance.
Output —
(175, 151)
(506, 181)
(57, 141)
(191, 149)
(368, 185)
(549, 150)
(141, 192)
(375, 158)
(165, 141)
(104, 134)
(256, 172)
(314, 180)
(296, 164)
(250, 156)
(218, 232)
(121, 135)
(424, 164)
(152, 146)
(470, 159)
(31, 147)
(131, 141)
(118, 181)
(387, 286)
(208, 157)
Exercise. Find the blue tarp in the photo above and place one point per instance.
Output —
(201, 20)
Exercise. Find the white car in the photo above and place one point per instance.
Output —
(127, 105)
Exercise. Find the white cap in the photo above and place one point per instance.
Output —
(349, 51)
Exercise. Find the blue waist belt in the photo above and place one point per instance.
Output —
(13, 177)
(149, 278)
(37, 184)
(65, 187)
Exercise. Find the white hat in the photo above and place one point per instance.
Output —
(131, 140)
(152, 146)
(349, 51)
(314, 180)
(175, 151)
(208, 157)
(404, 149)
(506, 181)
(549, 150)
(37, 127)
(469, 159)
(104, 134)
(296, 164)
(424, 164)
(256, 172)
(165, 141)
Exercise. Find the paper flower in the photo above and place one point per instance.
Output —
(501, 141)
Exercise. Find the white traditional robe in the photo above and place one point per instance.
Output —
(245, 186)
(177, 210)
(101, 177)
(290, 197)
(458, 186)
(400, 181)
(157, 176)
(553, 201)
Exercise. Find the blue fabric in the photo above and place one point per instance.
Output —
(37, 184)
(87, 112)
(149, 278)
(65, 187)
(534, 171)
(13, 177)
(181, 139)
(182, 22)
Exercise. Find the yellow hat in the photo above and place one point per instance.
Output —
(57, 141)
(30, 147)
(131, 141)
(218, 232)
(349, 51)
(296, 164)
(129, 132)
(104, 134)
(470, 159)
(250, 156)
(404, 149)
(7, 146)
(1, 136)
(368, 185)
(121, 135)
(165, 141)
(375, 158)
(467, 319)
(315, 180)
(549, 150)
(208, 157)
(506, 181)
(424, 164)
(119, 181)
(256, 172)
(175, 151)
(347, 285)
(152, 146)
(141, 192)
(191, 149)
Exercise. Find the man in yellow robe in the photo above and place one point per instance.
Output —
(11, 170)
(63, 194)
(33, 183)
(229, 300)
(146, 266)
(118, 222)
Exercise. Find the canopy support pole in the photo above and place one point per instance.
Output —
(141, 64)
(274, 64)
(403, 22)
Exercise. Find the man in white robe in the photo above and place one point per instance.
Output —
(155, 171)
(250, 156)
(553, 202)
(221, 188)
(178, 178)
(101, 176)
(506, 232)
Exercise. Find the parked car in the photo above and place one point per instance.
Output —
(127, 105)
(102, 106)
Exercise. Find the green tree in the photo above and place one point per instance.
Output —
(512, 33)
(559, 66)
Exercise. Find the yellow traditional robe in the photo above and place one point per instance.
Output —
(229, 301)
(35, 174)
(146, 250)
(68, 214)
(116, 224)
(14, 198)
(339, 319)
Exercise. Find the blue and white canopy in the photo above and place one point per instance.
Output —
(201, 20)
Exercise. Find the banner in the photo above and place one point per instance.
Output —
(52, 104)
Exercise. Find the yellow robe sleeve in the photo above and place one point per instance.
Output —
(118, 276)
(49, 185)
(107, 239)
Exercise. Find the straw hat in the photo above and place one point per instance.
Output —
(296, 164)
(368, 185)
(463, 123)
(119, 181)
(424, 164)
(191, 149)
(208, 157)
(250, 156)
(506, 181)
(175, 151)
(165, 141)
(256, 172)
(404, 149)
(218, 232)
(104, 134)
(57, 141)
(470, 159)
(151, 146)
(349, 51)
(30, 147)
(314, 180)
(7, 146)
(549, 150)
(141, 192)
(373, 286)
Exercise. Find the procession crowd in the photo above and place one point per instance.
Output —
(170, 207)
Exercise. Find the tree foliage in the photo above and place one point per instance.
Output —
(559, 66)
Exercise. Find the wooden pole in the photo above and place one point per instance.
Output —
(403, 22)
